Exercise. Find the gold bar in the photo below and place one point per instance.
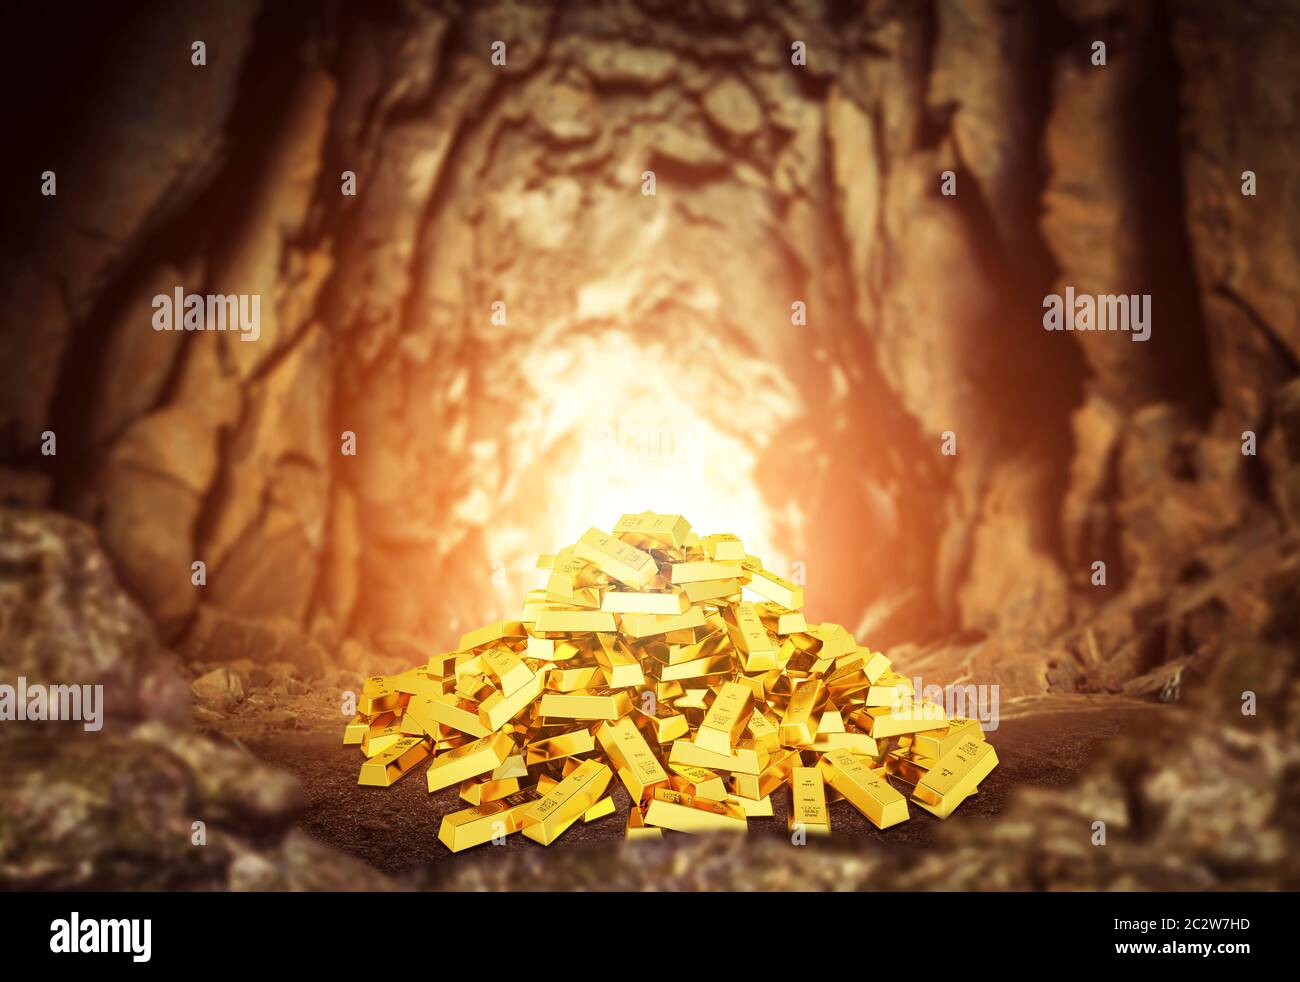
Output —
(488, 633)
(936, 743)
(859, 743)
(726, 719)
(746, 758)
(599, 810)
(907, 766)
(482, 790)
(799, 723)
(723, 548)
(780, 620)
(808, 802)
(617, 559)
(354, 731)
(650, 625)
(507, 669)
(572, 679)
(671, 809)
(694, 669)
(547, 819)
(751, 639)
(569, 575)
(512, 766)
(775, 588)
(664, 725)
(620, 667)
(590, 704)
(377, 739)
(875, 666)
(890, 690)
(669, 530)
(497, 710)
(753, 808)
(479, 757)
(777, 773)
(561, 745)
(471, 827)
(954, 776)
(377, 696)
(701, 571)
(638, 768)
(910, 717)
(553, 621)
(450, 710)
(698, 782)
(629, 602)
(705, 591)
(395, 762)
(637, 830)
(422, 682)
(866, 789)
(443, 665)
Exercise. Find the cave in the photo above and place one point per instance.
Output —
(493, 273)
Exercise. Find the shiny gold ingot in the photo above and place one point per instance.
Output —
(569, 575)
(471, 827)
(490, 633)
(443, 665)
(664, 725)
(395, 762)
(506, 669)
(865, 788)
(354, 731)
(377, 696)
(480, 757)
(629, 602)
(638, 767)
(551, 620)
(936, 743)
(954, 776)
(701, 571)
(651, 625)
(617, 559)
(725, 720)
(561, 745)
(450, 710)
(377, 739)
(637, 830)
(497, 710)
(574, 678)
(706, 591)
(890, 690)
(547, 819)
(808, 802)
(671, 809)
(760, 808)
(777, 773)
(907, 766)
(799, 722)
(745, 759)
(667, 530)
(599, 810)
(751, 638)
(780, 620)
(620, 667)
(857, 742)
(598, 703)
(421, 682)
(723, 548)
(775, 588)
(875, 666)
(910, 717)
(698, 782)
(479, 791)
(763, 732)
(694, 669)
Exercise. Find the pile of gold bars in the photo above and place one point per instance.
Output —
(642, 658)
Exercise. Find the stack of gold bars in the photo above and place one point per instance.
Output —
(642, 659)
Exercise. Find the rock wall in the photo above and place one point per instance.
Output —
(775, 184)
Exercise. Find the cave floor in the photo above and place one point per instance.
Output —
(1044, 742)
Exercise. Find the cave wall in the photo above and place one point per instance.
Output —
(776, 183)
